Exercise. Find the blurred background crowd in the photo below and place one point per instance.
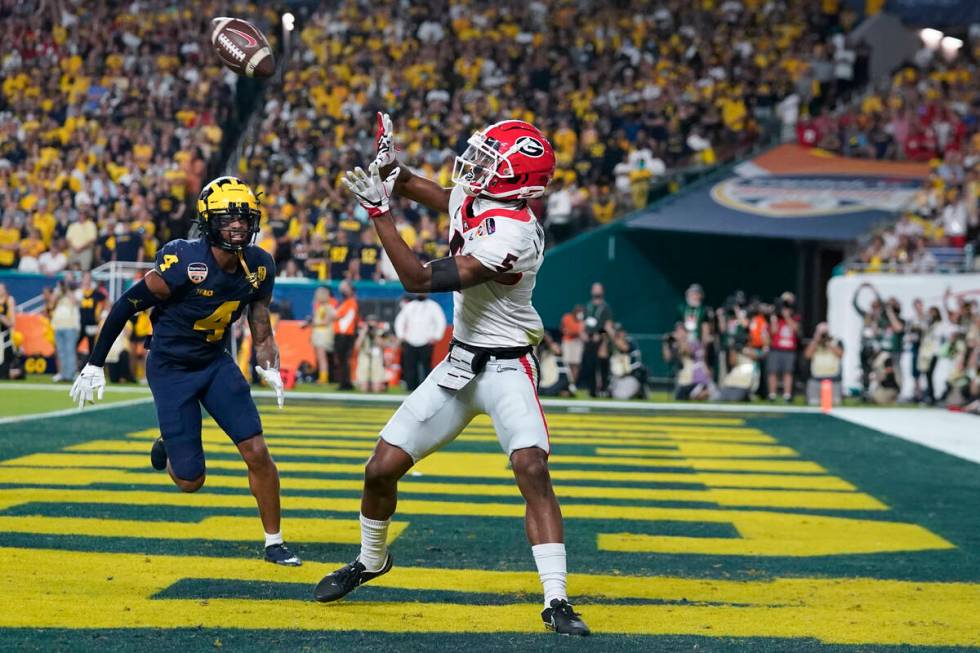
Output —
(106, 138)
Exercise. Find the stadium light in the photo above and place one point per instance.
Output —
(289, 21)
(951, 43)
(951, 46)
(931, 37)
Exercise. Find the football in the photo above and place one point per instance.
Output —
(242, 47)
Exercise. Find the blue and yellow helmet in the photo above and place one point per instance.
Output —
(223, 202)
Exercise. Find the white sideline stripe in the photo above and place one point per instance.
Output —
(957, 434)
(74, 411)
(572, 404)
(63, 387)
(582, 404)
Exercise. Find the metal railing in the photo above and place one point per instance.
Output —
(115, 274)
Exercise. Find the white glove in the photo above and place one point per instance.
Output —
(384, 139)
(373, 194)
(90, 380)
(271, 376)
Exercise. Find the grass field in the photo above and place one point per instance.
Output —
(685, 531)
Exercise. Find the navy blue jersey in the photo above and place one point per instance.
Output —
(193, 326)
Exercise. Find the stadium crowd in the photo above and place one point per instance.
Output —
(111, 132)
(105, 135)
(626, 95)
(927, 113)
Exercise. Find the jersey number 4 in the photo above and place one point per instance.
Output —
(168, 260)
(218, 321)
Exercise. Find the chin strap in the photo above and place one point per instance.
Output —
(251, 276)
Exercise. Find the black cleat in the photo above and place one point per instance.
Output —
(562, 619)
(158, 455)
(280, 555)
(343, 581)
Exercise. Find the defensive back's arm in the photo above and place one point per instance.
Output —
(142, 295)
(260, 324)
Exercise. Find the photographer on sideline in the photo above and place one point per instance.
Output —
(781, 361)
(629, 376)
(825, 354)
(594, 373)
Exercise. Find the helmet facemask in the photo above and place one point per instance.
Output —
(218, 226)
(223, 203)
(479, 164)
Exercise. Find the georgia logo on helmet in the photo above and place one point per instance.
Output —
(511, 159)
(222, 202)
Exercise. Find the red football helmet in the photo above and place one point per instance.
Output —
(507, 160)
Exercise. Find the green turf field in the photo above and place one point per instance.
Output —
(685, 531)
(16, 400)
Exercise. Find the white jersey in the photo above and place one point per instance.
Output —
(496, 314)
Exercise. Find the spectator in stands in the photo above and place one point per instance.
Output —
(290, 271)
(558, 218)
(341, 257)
(126, 245)
(368, 257)
(8, 321)
(322, 337)
(63, 313)
(594, 374)
(9, 242)
(955, 218)
(419, 325)
(781, 361)
(81, 237)
(345, 329)
(31, 249)
(573, 339)
(825, 354)
(53, 261)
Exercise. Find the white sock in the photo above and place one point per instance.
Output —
(374, 538)
(273, 538)
(550, 559)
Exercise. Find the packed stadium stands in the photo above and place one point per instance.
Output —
(109, 135)
(112, 128)
(636, 96)
(925, 112)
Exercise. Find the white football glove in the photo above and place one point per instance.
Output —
(271, 376)
(88, 383)
(384, 139)
(373, 194)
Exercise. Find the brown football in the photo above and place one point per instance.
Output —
(242, 47)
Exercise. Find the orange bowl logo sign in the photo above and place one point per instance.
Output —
(807, 196)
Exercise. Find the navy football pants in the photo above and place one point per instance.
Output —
(179, 394)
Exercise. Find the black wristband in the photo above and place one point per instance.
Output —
(135, 300)
(445, 275)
